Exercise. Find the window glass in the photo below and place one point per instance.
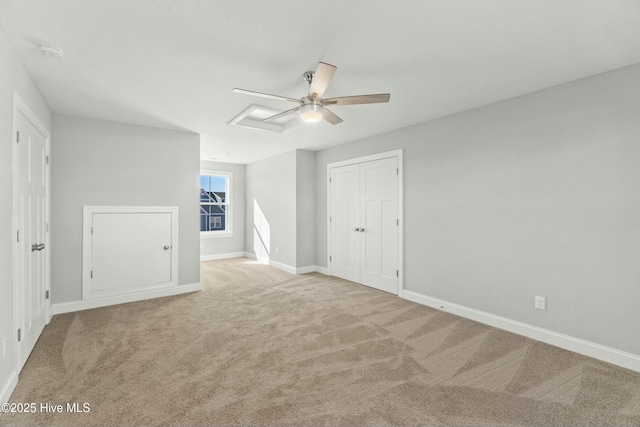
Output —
(214, 206)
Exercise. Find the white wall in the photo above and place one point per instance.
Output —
(13, 77)
(215, 246)
(536, 195)
(97, 162)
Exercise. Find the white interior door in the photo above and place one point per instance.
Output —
(30, 216)
(379, 224)
(345, 222)
(130, 251)
(364, 223)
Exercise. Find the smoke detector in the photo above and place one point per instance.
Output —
(53, 52)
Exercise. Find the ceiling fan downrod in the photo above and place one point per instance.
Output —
(308, 76)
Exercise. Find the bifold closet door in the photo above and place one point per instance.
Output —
(364, 223)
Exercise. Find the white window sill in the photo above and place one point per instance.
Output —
(206, 235)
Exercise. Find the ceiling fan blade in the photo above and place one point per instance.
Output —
(266, 95)
(330, 116)
(284, 113)
(358, 99)
(321, 78)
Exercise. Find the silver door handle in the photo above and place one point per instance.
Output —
(37, 247)
(362, 229)
(166, 248)
(357, 229)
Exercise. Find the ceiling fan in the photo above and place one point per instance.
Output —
(312, 108)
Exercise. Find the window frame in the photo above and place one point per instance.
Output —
(228, 232)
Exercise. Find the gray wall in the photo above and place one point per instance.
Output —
(96, 162)
(13, 77)
(305, 208)
(271, 183)
(536, 195)
(235, 242)
(283, 187)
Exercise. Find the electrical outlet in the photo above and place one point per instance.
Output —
(4, 347)
(541, 303)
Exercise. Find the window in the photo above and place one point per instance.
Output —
(215, 203)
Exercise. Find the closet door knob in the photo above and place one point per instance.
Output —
(357, 229)
(166, 248)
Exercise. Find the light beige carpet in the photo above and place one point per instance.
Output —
(262, 347)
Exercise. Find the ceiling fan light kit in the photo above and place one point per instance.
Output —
(311, 108)
(311, 113)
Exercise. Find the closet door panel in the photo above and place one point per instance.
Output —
(345, 218)
(379, 198)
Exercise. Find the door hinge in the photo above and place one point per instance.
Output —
(397, 171)
(397, 273)
(329, 179)
(397, 222)
(92, 274)
(19, 335)
(46, 295)
(330, 219)
(18, 137)
(47, 224)
(330, 258)
(92, 231)
(46, 158)
(18, 236)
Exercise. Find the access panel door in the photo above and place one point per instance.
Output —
(130, 252)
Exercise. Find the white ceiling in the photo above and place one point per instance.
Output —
(173, 63)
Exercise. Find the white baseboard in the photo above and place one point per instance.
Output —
(288, 268)
(68, 307)
(577, 345)
(283, 267)
(305, 270)
(8, 387)
(222, 256)
(322, 270)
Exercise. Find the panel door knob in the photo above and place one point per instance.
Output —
(357, 229)
(362, 229)
(166, 247)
